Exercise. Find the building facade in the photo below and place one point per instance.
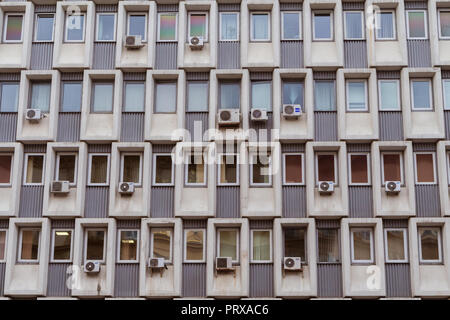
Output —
(225, 149)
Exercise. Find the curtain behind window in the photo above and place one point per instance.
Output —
(353, 27)
(261, 95)
(40, 96)
(324, 96)
(385, 24)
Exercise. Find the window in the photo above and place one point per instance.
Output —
(163, 172)
(421, 96)
(34, 169)
(75, 26)
(228, 243)
(165, 97)
(198, 25)
(392, 167)
(137, 25)
(260, 27)
(229, 26)
(324, 96)
(362, 245)
(430, 245)
(134, 97)
(13, 27)
(389, 95)
(5, 169)
(29, 240)
(262, 95)
(62, 245)
(40, 96)
(102, 101)
(444, 24)
(66, 167)
(354, 22)
(416, 24)
(194, 245)
(261, 246)
(359, 168)
(292, 92)
(9, 92)
(425, 170)
(98, 169)
(71, 96)
(260, 169)
(3, 234)
(106, 27)
(395, 245)
(197, 96)
(293, 169)
(195, 170)
(291, 25)
(295, 243)
(357, 95)
(131, 168)
(128, 246)
(385, 25)
(161, 244)
(95, 245)
(446, 92)
(328, 244)
(322, 26)
(326, 166)
(44, 27)
(230, 95)
(228, 170)
(167, 27)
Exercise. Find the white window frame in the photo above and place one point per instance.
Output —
(152, 231)
(331, 13)
(66, 29)
(238, 235)
(122, 163)
(446, 103)
(186, 170)
(185, 246)
(159, 26)
(10, 171)
(369, 174)
(302, 154)
(366, 95)
(263, 184)
(86, 229)
(269, 30)
(439, 23)
(352, 245)
(299, 13)
(433, 154)
(75, 173)
(36, 25)
(219, 163)
(316, 169)
(119, 240)
(447, 154)
(155, 155)
(271, 246)
(402, 172)
(361, 13)
(425, 21)
(5, 23)
(19, 248)
(206, 13)
(237, 26)
(394, 25)
(25, 169)
(146, 23)
(398, 94)
(52, 254)
(6, 244)
(430, 90)
(108, 156)
(97, 24)
(405, 245)
(439, 238)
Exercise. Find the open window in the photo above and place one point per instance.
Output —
(95, 245)
(34, 169)
(228, 243)
(62, 243)
(167, 26)
(131, 168)
(261, 246)
(228, 169)
(359, 168)
(161, 243)
(259, 26)
(194, 245)
(163, 169)
(6, 162)
(44, 26)
(75, 27)
(328, 245)
(425, 167)
(362, 245)
(294, 169)
(13, 27)
(128, 248)
(66, 167)
(430, 245)
(29, 245)
(392, 166)
(326, 167)
(195, 171)
(295, 242)
(396, 248)
(98, 169)
(260, 168)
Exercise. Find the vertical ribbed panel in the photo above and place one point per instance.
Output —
(388, 75)
(416, 4)
(41, 56)
(290, 6)
(99, 148)
(106, 7)
(10, 76)
(31, 198)
(324, 75)
(327, 224)
(262, 129)
(194, 280)
(35, 148)
(134, 76)
(56, 280)
(162, 148)
(395, 223)
(128, 224)
(260, 224)
(398, 280)
(195, 224)
(4, 223)
(69, 127)
(418, 147)
(126, 282)
(360, 202)
(228, 55)
(8, 126)
(197, 76)
(353, 5)
(166, 55)
(2, 277)
(419, 54)
(293, 147)
(228, 7)
(228, 202)
(97, 199)
(294, 202)
(104, 55)
(72, 76)
(132, 127)
(47, 8)
(167, 7)
(261, 280)
(196, 118)
(427, 201)
(355, 54)
(161, 203)
(261, 76)
(447, 124)
(445, 74)
(291, 54)
(325, 125)
(358, 147)
(391, 125)
(329, 280)
(65, 223)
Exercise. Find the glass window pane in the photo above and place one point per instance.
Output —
(359, 170)
(389, 95)
(230, 95)
(228, 244)
(9, 97)
(261, 169)
(197, 25)
(391, 167)
(229, 26)
(325, 167)
(429, 242)
(134, 97)
(62, 245)
(385, 25)
(262, 95)
(261, 245)
(14, 28)
(324, 96)
(294, 243)
(197, 96)
(67, 168)
(35, 167)
(99, 169)
(446, 89)
(196, 169)
(362, 245)
(75, 28)
(291, 25)
(103, 97)
(5, 168)
(421, 94)
(163, 169)
(328, 245)
(72, 93)
(137, 25)
(95, 244)
(128, 245)
(131, 168)
(44, 27)
(2, 244)
(228, 169)
(30, 244)
(161, 243)
(416, 24)
(356, 99)
(106, 27)
(444, 18)
(353, 25)
(260, 26)
(293, 168)
(425, 168)
(40, 96)
(166, 97)
(322, 26)
(396, 245)
(167, 26)
(194, 245)
(293, 93)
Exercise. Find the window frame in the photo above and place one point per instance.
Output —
(2, 83)
(352, 245)
(66, 29)
(63, 83)
(333, 81)
(124, 95)
(157, 83)
(36, 18)
(270, 168)
(90, 169)
(305, 240)
(302, 154)
(433, 155)
(187, 155)
(425, 22)
(92, 98)
(97, 25)
(154, 183)
(105, 240)
(5, 23)
(316, 166)
(397, 81)
(119, 240)
(255, 82)
(394, 25)
(158, 31)
(25, 169)
(237, 26)
(369, 173)
(363, 34)
(269, 27)
(332, 35)
(439, 23)
(52, 253)
(221, 82)
(152, 241)
(402, 169)
(122, 156)
(339, 245)
(440, 249)
(447, 154)
(32, 87)
(430, 91)
(57, 164)
(185, 260)
(251, 246)
(19, 247)
(206, 13)
(137, 13)
(299, 13)
(6, 244)
(347, 96)
(189, 82)
(405, 245)
(444, 100)
(219, 163)
(238, 236)
(9, 184)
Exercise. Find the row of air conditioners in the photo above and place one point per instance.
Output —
(391, 187)
(233, 116)
(135, 42)
(93, 266)
(289, 263)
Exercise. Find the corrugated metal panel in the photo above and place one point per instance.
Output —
(326, 224)
(44, 8)
(161, 203)
(195, 224)
(353, 5)
(167, 7)
(10, 76)
(66, 223)
(294, 202)
(4, 223)
(391, 125)
(291, 53)
(2, 278)
(360, 202)
(293, 147)
(329, 280)
(261, 280)
(199, 76)
(69, 126)
(358, 147)
(355, 54)
(56, 280)
(166, 55)
(324, 75)
(388, 74)
(224, 7)
(132, 127)
(419, 54)
(194, 280)
(128, 224)
(96, 205)
(447, 124)
(34, 148)
(104, 55)
(106, 7)
(427, 201)
(415, 5)
(72, 76)
(260, 224)
(424, 147)
(325, 125)
(228, 202)
(445, 74)
(126, 282)
(41, 56)
(287, 6)
(261, 76)
(229, 55)
(263, 129)
(31, 201)
(395, 223)
(398, 280)
(162, 148)
(134, 76)
(8, 126)
(198, 119)
(99, 148)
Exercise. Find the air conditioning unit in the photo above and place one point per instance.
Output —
(292, 263)
(60, 187)
(326, 187)
(156, 263)
(133, 42)
(224, 263)
(92, 266)
(292, 111)
(196, 43)
(257, 114)
(126, 187)
(33, 114)
(392, 187)
(228, 117)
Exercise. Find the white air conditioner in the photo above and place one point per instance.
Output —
(224, 263)
(92, 266)
(156, 263)
(196, 42)
(60, 187)
(292, 111)
(33, 114)
(257, 114)
(126, 187)
(133, 42)
(228, 117)
(326, 187)
(292, 263)
(392, 187)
